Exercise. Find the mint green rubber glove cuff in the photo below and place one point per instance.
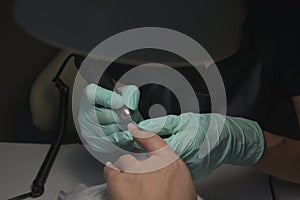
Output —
(248, 143)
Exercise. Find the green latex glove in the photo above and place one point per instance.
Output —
(98, 120)
(240, 142)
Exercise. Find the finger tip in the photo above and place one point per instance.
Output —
(131, 96)
(110, 165)
(131, 127)
(89, 91)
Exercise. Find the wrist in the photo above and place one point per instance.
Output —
(245, 141)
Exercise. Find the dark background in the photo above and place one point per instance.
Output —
(22, 58)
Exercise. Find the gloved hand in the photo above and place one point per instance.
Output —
(98, 121)
(240, 142)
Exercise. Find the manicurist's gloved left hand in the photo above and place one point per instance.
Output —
(240, 142)
(100, 124)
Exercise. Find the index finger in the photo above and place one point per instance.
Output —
(149, 141)
(161, 154)
(100, 96)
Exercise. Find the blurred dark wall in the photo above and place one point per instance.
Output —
(22, 58)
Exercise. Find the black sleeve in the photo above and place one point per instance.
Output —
(287, 53)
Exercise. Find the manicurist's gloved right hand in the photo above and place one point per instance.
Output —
(240, 142)
(98, 121)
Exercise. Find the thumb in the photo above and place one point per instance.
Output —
(149, 141)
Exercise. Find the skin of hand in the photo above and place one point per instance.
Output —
(296, 102)
(172, 182)
(281, 157)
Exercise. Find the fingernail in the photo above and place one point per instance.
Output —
(109, 164)
(131, 126)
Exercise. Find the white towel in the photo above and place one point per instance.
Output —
(82, 192)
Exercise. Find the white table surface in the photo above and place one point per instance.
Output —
(74, 165)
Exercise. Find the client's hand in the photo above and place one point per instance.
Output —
(162, 176)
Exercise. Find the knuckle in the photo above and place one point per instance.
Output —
(179, 164)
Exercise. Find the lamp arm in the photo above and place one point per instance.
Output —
(37, 187)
